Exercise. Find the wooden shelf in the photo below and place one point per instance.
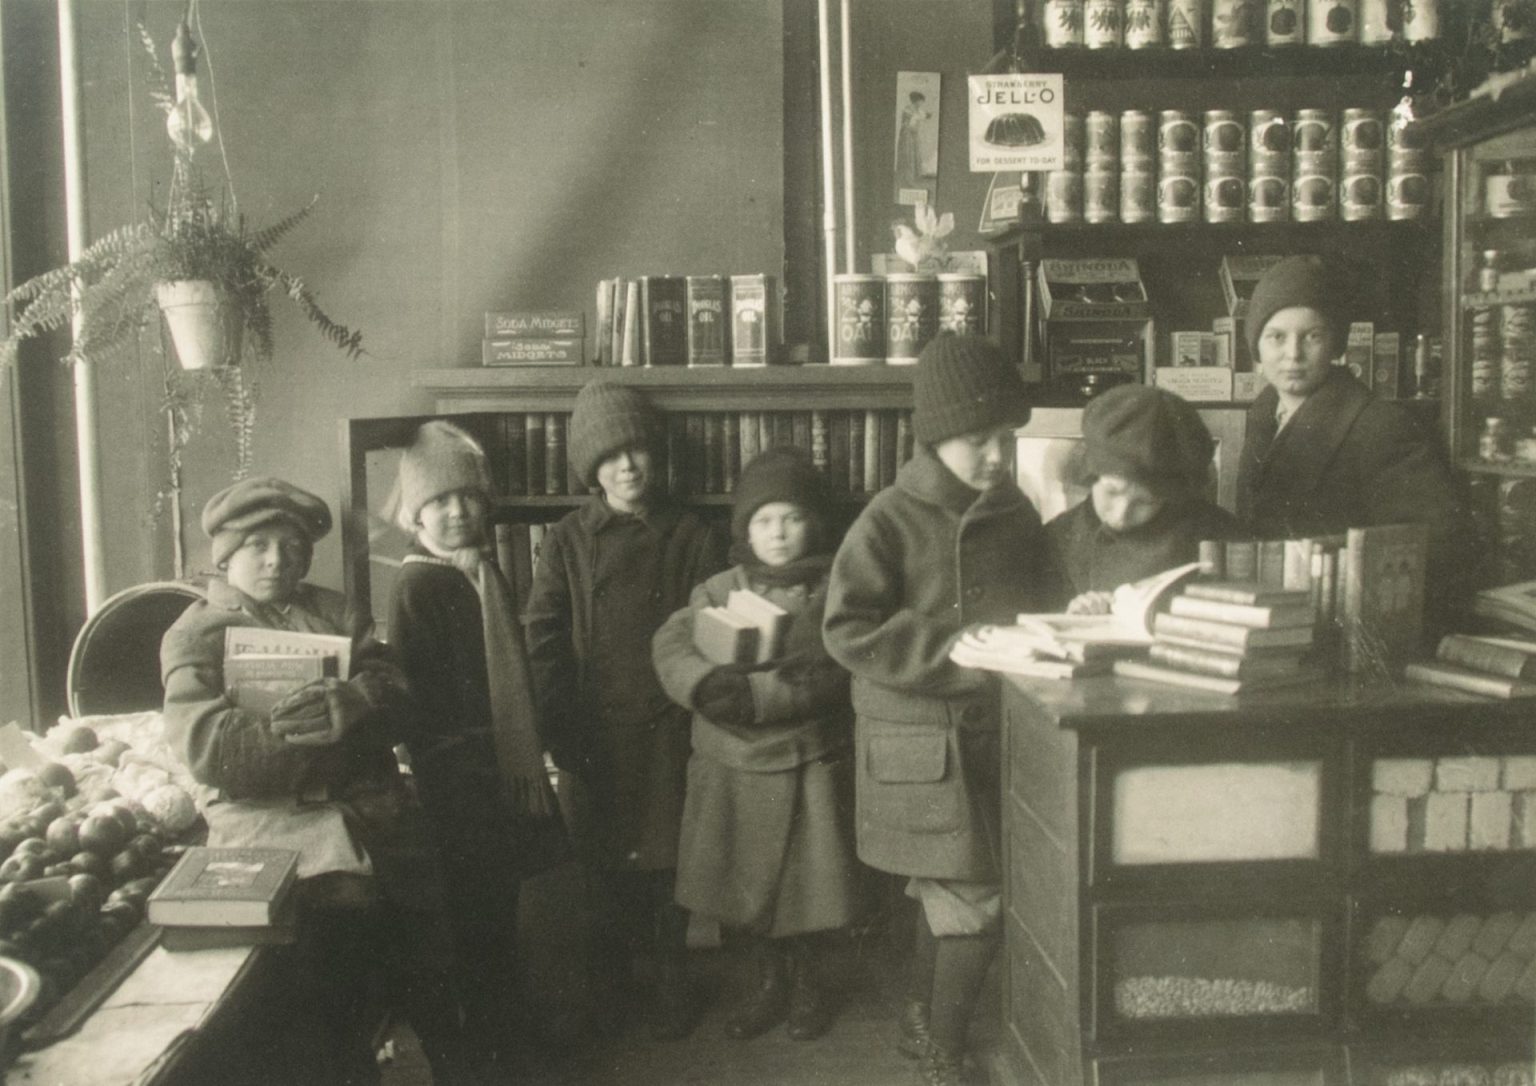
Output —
(1202, 237)
(1253, 62)
(1484, 299)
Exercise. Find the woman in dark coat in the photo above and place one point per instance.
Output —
(1322, 454)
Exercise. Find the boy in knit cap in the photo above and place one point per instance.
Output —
(609, 574)
(318, 775)
(1322, 454)
(767, 840)
(1146, 459)
(474, 743)
(954, 542)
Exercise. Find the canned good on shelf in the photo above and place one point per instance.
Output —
(1178, 198)
(1362, 134)
(1285, 22)
(1234, 24)
(1312, 198)
(1138, 135)
(1332, 22)
(1062, 23)
(1101, 195)
(1407, 194)
(1101, 136)
(1421, 20)
(1360, 193)
(911, 315)
(1138, 196)
(1143, 23)
(1375, 24)
(963, 303)
(1269, 199)
(1064, 196)
(1186, 24)
(1101, 24)
(1269, 133)
(860, 319)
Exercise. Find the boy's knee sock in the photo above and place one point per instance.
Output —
(960, 966)
(924, 947)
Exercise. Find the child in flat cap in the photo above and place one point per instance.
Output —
(954, 542)
(317, 774)
(475, 750)
(608, 575)
(767, 836)
(1146, 458)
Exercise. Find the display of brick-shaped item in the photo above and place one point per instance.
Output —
(1519, 773)
(1387, 983)
(1402, 776)
(1425, 983)
(1499, 981)
(1525, 987)
(1438, 822)
(1420, 938)
(1389, 823)
(1456, 938)
(1522, 831)
(1382, 940)
(1488, 823)
(1467, 773)
(1494, 935)
(1466, 974)
(1523, 940)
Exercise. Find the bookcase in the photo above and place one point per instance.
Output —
(855, 421)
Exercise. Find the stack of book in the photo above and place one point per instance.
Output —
(748, 630)
(1229, 637)
(221, 897)
(1496, 667)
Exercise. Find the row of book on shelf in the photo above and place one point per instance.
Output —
(860, 450)
(689, 320)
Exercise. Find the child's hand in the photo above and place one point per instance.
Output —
(725, 697)
(302, 711)
(1091, 603)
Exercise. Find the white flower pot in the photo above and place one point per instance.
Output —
(204, 324)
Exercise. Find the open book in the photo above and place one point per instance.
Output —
(1511, 603)
(1128, 626)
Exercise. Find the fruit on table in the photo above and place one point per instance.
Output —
(103, 834)
(79, 739)
(171, 808)
(57, 775)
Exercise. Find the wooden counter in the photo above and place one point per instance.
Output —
(1328, 885)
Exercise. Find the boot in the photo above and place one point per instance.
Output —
(810, 1005)
(675, 1009)
(943, 1067)
(767, 1001)
(913, 1038)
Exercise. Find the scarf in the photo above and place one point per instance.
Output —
(806, 570)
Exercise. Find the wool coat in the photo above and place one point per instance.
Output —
(1346, 459)
(927, 557)
(1090, 557)
(767, 836)
(604, 584)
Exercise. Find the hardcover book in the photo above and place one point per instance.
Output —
(1128, 626)
(282, 931)
(820, 438)
(514, 436)
(1247, 593)
(1235, 638)
(1215, 684)
(856, 452)
(1015, 651)
(1383, 596)
(771, 620)
(707, 342)
(1496, 655)
(536, 454)
(751, 437)
(730, 440)
(1262, 617)
(1514, 604)
(245, 640)
(224, 887)
(1468, 681)
(602, 353)
(257, 681)
(714, 454)
(664, 320)
(872, 455)
(1224, 664)
(723, 637)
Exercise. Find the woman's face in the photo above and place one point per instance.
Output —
(1123, 504)
(626, 479)
(978, 459)
(1296, 351)
(454, 520)
(270, 563)
(778, 533)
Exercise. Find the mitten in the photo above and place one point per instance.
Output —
(302, 711)
(345, 707)
(725, 697)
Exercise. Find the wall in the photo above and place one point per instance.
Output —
(469, 156)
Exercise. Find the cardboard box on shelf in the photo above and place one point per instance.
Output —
(1200, 384)
(1240, 273)
(1230, 338)
(1357, 351)
(1191, 349)
(1098, 323)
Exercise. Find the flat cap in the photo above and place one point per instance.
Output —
(251, 503)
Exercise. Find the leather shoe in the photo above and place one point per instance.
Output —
(913, 1038)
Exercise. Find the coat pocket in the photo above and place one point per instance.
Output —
(907, 779)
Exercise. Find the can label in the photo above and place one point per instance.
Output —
(1421, 20)
(1332, 22)
(1177, 132)
(1062, 21)
(1143, 23)
(1233, 25)
(1509, 195)
(963, 304)
(1101, 133)
(1138, 135)
(1312, 197)
(1313, 132)
(1101, 195)
(1407, 195)
(1401, 139)
(1360, 194)
(860, 319)
(1286, 23)
(1362, 135)
(1223, 133)
(1186, 24)
(1101, 24)
(1178, 198)
(1224, 198)
(1268, 133)
(1064, 196)
(1138, 196)
(1072, 138)
(1375, 27)
(1269, 199)
(911, 315)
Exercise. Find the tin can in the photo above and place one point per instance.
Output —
(757, 320)
(1494, 442)
(1421, 20)
(1401, 139)
(963, 304)
(1186, 24)
(1269, 135)
(1332, 22)
(1375, 26)
(1313, 132)
(1138, 196)
(1101, 136)
(911, 315)
(1408, 192)
(1510, 192)
(860, 320)
(1101, 24)
(1312, 197)
(1138, 136)
(1490, 264)
(1177, 132)
(1143, 23)
(1072, 138)
(1285, 23)
(1178, 197)
(1225, 197)
(1362, 137)
(1062, 23)
(1269, 198)
(1515, 377)
(1101, 194)
(1360, 195)
(1064, 196)
(1222, 139)
(1233, 25)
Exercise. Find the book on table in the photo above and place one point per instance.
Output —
(1511, 658)
(1205, 633)
(1215, 684)
(1126, 628)
(224, 887)
(1514, 604)
(1245, 593)
(1225, 664)
(283, 930)
(1467, 680)
(1383, 596)
(1015, 651)
(1257, 616)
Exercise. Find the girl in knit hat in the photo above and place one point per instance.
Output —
(953, 543)
(608, 575)
(474, 743)
(1146, 460)
(316, 773)
(767, 836)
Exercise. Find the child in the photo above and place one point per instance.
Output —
(1146, 458)
(317, 775)
(474, 745)
(767, 838)
(610, 573)
(952, 543)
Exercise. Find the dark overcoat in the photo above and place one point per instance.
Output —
(926, 557)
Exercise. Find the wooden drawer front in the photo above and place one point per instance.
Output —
(1215, 812)
(1445, 959)
(1458, 803)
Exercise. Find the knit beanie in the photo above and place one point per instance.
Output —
(1299, 281)
(964, 384)
(781, 474)
(607, 417)
(1150, 436)
(242, 507)
(442, 459)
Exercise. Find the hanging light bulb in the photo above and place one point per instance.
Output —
(188, 120)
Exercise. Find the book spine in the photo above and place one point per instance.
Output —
(1242, 614)
(751, 437)
(888, 450)
(1213, 559)
(820, 441)
(521, 539)
(1131, 669)
(1297, 572)
(905, 446)
(506, 551)
(629, 352)
(856, 452)
(730, 441)
(1492, 686)
(554, 454)
(705, 295)
(1243, 560)
(1206, 663)
(514, 437)
(1199, 629)
(535, 543)
(714, 460)
(837, 450)
(871, 481)
(784, 429)
(603, 325)
(695, 470)
(800, 430)
(1271, 555)
(1481, 656)
(536, 446)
